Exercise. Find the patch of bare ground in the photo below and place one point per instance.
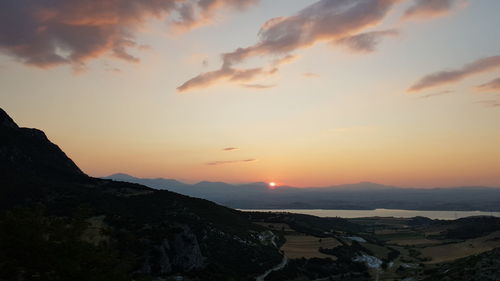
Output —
(450, 252)
(415, 242)
(305, 246)
(94, 232)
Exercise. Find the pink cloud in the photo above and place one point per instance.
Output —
(441, 93)
(193, 14)
(492, 86)
(365, 42)
(450, 76)
(424, 9)
(489, 103)
(47, 33)
(310, 75)
(257, 86)
(323, 21)
(231, 74)
(224, 74)
(216, 163)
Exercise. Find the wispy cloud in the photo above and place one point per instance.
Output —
(230, 148)
(446, 77)
(225, 74)
(285, 60)
(60, 32)
(489, 103)
(310, 75)
(216, 163)
(436, 94)
(365, 42)
(257, 86)
(192, 14)
(492, 86)
(347, 23)
(228, 73)
(424, 9)
(323, 21)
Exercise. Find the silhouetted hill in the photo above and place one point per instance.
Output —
(56, 223)
(157, 183)
(29, 153)
(359, 196)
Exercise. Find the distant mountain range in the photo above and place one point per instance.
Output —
(359, 196)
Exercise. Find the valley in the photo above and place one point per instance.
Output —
(387, 248)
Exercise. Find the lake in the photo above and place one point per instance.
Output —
(442, 215)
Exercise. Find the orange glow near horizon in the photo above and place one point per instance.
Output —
(329, 118)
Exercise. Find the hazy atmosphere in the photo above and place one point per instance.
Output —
(302, 93)
(249, 140)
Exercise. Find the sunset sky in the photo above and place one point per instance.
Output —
(298, 92)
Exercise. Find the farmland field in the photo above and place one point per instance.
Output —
(305, 246)
(449, 252)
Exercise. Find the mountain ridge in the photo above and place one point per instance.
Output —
(29, 152)
(362, 184)
(364, 195)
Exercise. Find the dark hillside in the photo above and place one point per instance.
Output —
(28, 153)
(56, 223)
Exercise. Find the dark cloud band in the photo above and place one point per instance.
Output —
(445, 77)
(216, 163)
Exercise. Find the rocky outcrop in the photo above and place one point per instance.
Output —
(6, 121)
(185, 249)
(180, 253)
(28, 152)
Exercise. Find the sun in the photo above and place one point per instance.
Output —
(272, 184)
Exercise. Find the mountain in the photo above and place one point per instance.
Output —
(56, 223)
(28, 152)
(364, 195)
(213, 191)
(157, 183)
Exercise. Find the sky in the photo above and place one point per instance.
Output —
(297, 92)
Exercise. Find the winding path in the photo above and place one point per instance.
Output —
(278, 267)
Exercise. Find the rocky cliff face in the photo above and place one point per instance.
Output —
(181, 253)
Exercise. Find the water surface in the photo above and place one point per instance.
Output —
(442, 215)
